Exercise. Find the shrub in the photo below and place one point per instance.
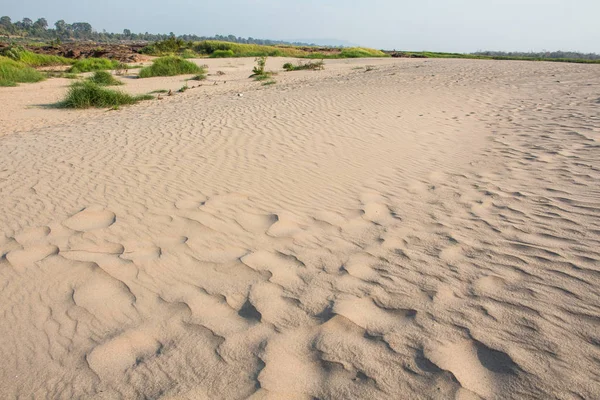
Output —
(12, 72)
(168, 46)
(88, 94)
(95, 64)
(103, 78)
(222, 54)
(170, 66)
(311, 65)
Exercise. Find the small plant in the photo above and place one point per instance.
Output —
(103, 78)
(258, 72)
(267, 83)
(220, 73)
(170, 66)
(369, 68)
(310, 65)
(261, 63)
(87, 94)
(199, 77)
(183, 88)
(159, 91)
(58, 74)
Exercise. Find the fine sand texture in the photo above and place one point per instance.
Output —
(418, 229)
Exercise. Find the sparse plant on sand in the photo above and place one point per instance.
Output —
(183, 88)
(159, 91)
(261, 63)
(258, 72)
(310, 65)
(103, 78)
(268, 83)
(199, 77)
(170, 66)
(88, 94)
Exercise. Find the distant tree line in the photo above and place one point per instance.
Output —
(542, 55)
(83, 31)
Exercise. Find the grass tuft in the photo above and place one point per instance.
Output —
(170, 66)
(199, 77)
(88, 94)
(103, 78)
(13, 72)
(160, 91)
(95, 64)
(310, 65)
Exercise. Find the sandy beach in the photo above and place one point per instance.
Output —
(418, 229)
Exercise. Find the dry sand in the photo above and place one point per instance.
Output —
(427, 229)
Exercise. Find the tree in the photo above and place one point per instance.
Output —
(41, 24)
(60, 25)
(126, 32)
(27, 23)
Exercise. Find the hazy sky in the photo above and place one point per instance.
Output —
(438, 25)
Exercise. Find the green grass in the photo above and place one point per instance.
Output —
(310, 65)
(13, 72)
(361, 52)
(160, 91)
(95, 64)
(268, 83)
(31, 59)
(170, 66)
(188, 53)
(215, 48)
(103, 78)
(88, 94)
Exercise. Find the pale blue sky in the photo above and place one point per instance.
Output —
(438, 25)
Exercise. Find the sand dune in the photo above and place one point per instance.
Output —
(426, 229)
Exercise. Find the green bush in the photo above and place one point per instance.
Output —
(103, 78)
(222, 54)
(12, 72)
(95, 64)
(88, 94)
(170, 66)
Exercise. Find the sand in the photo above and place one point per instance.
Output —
(428, 229)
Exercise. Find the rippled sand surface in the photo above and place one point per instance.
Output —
(424, 229)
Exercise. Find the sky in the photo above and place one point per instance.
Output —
(434, 25)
